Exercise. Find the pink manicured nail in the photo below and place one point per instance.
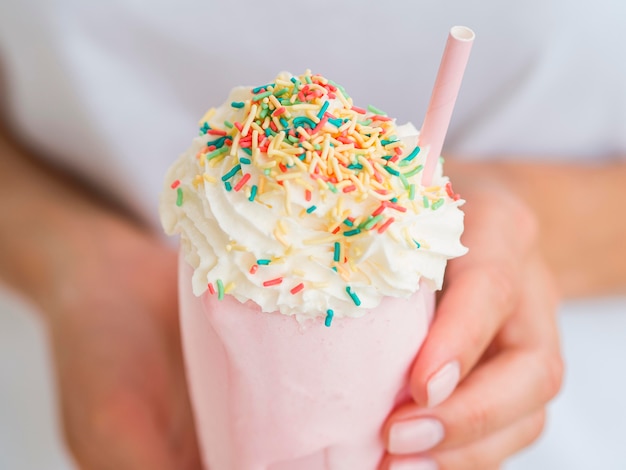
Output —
(414, 435)
(443, 383)
(414, 464)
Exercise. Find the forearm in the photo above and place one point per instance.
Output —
(53, 233)
(580, 213)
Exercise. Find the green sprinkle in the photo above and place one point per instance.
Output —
(373, 221)
(412, 155)
(293, 139)
(337, 252)
(348, 222)
(437, 204)
(317, 147)
(218, 142)
(375, 110)
(228, 186)
(355, 166)
(237, 104)
(332, 187)
(414, 171)
(329, 317)
(323, 109)
(336, 122)
(387, 142)
(353, 296)
(228, 124)
(217, 153)
(311, 209)
(425, 202)
(308, 79)
(351, 233)
(412, 191)
(233, 171)
(296, 82)
(179, 196)
(245, 161)
(284, 122)
(405, 182)
(416, 243)
(263, 262)
(248, 151)
(264, 113)
(267, 172)
(392, 171)
(260, 96)
(280, 92)
(300, 120)
(220, 289)
(341, 88)
(262, 87)
(253, 191)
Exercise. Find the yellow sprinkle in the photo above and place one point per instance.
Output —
(235, 146)
(250, 118)
(197, 180)
(229, 287)
(287, 197)
(320, 241)
(208, 178)
(279, 236)
(207, 116)
(343, 99)
(303, 106)
(266, 122)
(299, 272)
(366, 164)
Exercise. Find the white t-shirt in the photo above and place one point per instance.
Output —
(114, 90)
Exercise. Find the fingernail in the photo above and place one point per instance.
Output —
(414, 435)
(443, 383)
(418, 463)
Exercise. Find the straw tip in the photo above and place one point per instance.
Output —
(462, 33)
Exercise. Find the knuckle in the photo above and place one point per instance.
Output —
(477, 420)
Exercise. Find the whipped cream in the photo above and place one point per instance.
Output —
(303, 203)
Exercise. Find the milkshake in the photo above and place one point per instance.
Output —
(310, 253)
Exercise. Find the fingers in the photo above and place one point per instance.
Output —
(499, 392)
(484, 454)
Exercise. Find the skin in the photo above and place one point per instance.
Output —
(106, 287)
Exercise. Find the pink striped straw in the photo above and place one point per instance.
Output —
(443, 97)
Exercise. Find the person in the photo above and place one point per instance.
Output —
(100, 98)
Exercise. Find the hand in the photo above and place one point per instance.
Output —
(495, 335)
(116, 342)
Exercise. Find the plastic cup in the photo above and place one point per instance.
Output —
(271, 393)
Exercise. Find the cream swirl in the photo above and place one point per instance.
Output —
(303, 203)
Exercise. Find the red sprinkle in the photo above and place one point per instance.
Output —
(320, 124)
(273, 282)
(378, 117)
(358, 110)
(349, 189)
(395, 206)
(282, 167)
(244, 179)
(175, 184)
(451, 193)
(211, 289)
(216, 132)
(336, 229)
(253, 268)
(307, 195)
(239, 126)
(379, 211)
(273, 126)
(384, 226)
(297, 289)
(278, 111)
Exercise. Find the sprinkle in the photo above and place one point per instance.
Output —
(245, 161)
(425, 202)
(244, 179)
(253, 192)
(273, 282)
(349, 188)
(263, 262)
(375, 110)
(300, 120)
(217, 131)
(179, 196)
(411, 155)
(323, 109)
(412, 191)
(349, 222)
(254, 268)
(233, 171)
(329, 317)
(297, 288)
(237, 104)
(391, 170)
(311, 209)
(351, 233)
(307, 195)
(337, 252)
(260, 96)
(358, 110)
(220, 290)
(228, 186)
(373, 221)
(386, 225)
(353, 296)
(437, 204)
(414, 171)
(175, 184)
(217, 153)
(211, 288)
(227, 124)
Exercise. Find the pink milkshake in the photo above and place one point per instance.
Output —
(310, 253)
